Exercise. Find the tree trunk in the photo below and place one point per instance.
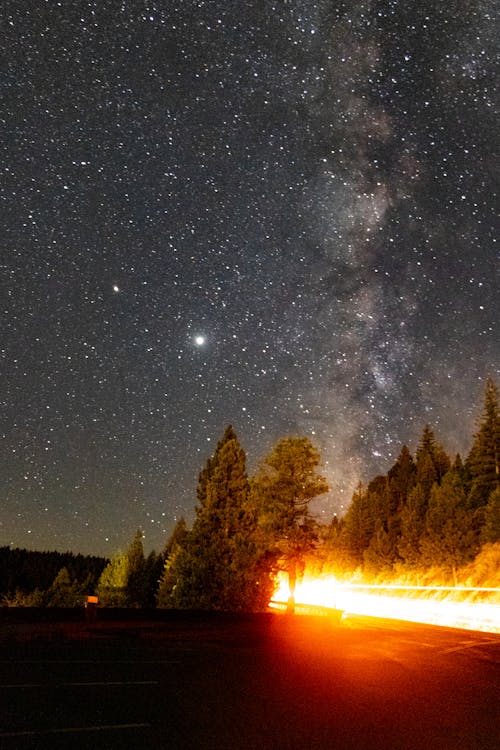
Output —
(292, 580)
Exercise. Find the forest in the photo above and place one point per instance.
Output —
(431, 518)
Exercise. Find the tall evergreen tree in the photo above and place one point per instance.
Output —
(136, 579)
(153, 567)
(359, 525)
(402, 478)
(332, 552)
(449, 539)
(412, 526)
(379, 555)
(385, 500)
(112, 584)
(219, 565)
(63, 592)
(174, 545)
(123, 581)
(483, 461)
(490, 532)
(287, 482)
(431, 460)
(177, 537)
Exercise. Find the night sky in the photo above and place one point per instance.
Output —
(279, 215)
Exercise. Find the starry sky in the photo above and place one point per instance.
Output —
(281, 215)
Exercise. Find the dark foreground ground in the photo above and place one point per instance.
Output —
(250, 682)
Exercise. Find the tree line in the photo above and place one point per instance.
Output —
(245, 530)
(430, 511)
(35, 579)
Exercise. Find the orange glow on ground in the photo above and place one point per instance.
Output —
(457, 607)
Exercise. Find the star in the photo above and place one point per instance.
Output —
(298, 220)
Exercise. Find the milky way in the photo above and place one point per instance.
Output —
(278, 215)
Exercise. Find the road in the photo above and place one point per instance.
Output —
(251, 683)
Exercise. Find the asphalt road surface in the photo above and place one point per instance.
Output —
(276, 681)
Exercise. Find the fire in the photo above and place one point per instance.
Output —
(458, 607)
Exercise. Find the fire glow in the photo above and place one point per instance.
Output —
(456, 607)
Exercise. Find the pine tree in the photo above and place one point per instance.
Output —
(112, 584)
(426, 474)
(177, 537)
(63, 592)
(431, 461)
(402, 478)
(483, 462)
(136, 587)
(412, 526)
(385, 510)
(166, 583)
(359, 526)
(333, 553)
(379, 555)
(287, 482)
(219, 565)
(123, 581)
(490, 532)
(449, 539)
(153, 568)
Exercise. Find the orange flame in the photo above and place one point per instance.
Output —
(457, 607)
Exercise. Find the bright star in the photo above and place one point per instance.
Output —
(199, 340)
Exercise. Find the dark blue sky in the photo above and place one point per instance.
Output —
(310, 187)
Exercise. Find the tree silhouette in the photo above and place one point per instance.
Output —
(412, 526)
(219, 564)
(112, 585)
(282, 490)
(63, 592)
(491, 528)
(123, 580)
(449, 539)
(483, 461)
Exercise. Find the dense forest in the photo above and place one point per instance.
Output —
(34, 579)
(428, 511)
(430, 517)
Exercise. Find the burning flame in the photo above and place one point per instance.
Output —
(457, 607)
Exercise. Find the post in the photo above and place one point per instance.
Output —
(292, 580)
(91, 608)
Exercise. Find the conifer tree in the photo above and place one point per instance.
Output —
(332, 552)
(287, 482)
(359, 525)
(431, 461)
(426, 474)
(112, 584)
(402, 478)
(490, 532)
(483, 462)
(136, 587)
(449, 539)
(174, 545)
(218, 565)
(379, 555)
(123, 581)
(412, 526)
(384, 498)
(177, 537)
(63, 592)
(153, 567)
